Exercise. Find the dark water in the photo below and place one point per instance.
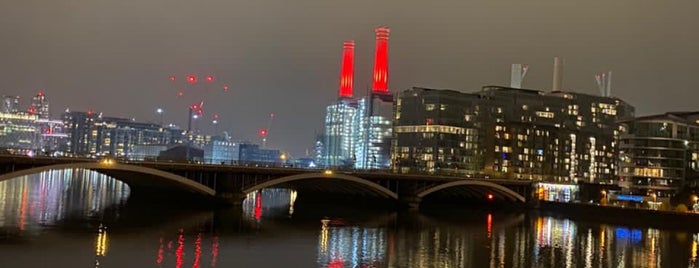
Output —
(82, 219)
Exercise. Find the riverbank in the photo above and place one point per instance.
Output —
(632, 217)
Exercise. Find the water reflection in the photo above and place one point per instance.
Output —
(270, 232)
(49, 197)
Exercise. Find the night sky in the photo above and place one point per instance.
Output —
(283, 56)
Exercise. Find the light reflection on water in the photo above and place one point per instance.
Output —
(271, 232)
(49, 197)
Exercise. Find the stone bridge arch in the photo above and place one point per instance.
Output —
(377, 188)
(502, 190)
(164, 179)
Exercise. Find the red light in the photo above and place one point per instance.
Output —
(490, 196)
(263, 133)
(225, 88)
(180, 93)
(31, 111)
(41, 93)
(258, 206)
(380, 79)
(210, 78)
(347, 72)
(215, 116)
(191, 79)
(172, 78)
(271, 115)
(89, 112)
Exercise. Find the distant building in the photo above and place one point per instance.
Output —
(245, 152)
(147, 152)
(92, 134)
(562, 137)
(10, 104)
(659, 153)
(19, 133)
(40, 106)
(218, 151)
(180, 153)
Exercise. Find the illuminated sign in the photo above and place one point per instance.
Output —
(634, 198)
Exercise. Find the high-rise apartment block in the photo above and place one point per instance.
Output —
(659, 153)
(509, 133)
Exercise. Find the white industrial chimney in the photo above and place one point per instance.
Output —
(518, 73)
(557, 74)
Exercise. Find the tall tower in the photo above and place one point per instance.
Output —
(40, 106)
(380, 81)
(347, 72)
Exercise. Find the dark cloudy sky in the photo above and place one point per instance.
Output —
(283, 56)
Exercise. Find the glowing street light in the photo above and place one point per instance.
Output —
(160, 111)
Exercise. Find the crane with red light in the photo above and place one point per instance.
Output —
(265, 131)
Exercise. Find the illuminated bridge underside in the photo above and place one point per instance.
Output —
(472, 190)
(137, 177)
(323, 183)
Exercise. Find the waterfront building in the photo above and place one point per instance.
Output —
(659, 153)
(562, 137)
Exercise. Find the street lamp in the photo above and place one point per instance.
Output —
(159, 111)
(604, 197)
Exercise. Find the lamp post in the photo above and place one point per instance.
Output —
(604, 197)
(160, 111)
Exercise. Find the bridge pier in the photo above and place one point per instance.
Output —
(231, 199)
(409, 202)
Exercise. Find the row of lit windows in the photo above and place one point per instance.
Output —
(434, 129)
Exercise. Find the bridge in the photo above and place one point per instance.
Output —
(231, 183)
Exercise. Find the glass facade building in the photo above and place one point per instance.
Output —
(354, 136)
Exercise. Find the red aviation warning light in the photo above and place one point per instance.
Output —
(263, 133)
(180, 93)
(215, 116)
(225, 88)
(172, 78)
(191, 79)
(210, 78)
(347, 72)
(89, 111)
(31, 111)
(380, 79)
(41, 93)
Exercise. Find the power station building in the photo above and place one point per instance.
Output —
(358, 130)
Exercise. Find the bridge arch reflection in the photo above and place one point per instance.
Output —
(124, 173)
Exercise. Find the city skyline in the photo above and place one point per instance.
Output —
(119, 57)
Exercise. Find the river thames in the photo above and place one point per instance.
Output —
(78, 218)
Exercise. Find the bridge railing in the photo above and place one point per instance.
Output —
(254, 164)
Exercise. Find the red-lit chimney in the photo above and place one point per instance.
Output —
(347, 72)
(380, 84)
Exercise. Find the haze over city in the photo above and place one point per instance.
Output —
(284, 56)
